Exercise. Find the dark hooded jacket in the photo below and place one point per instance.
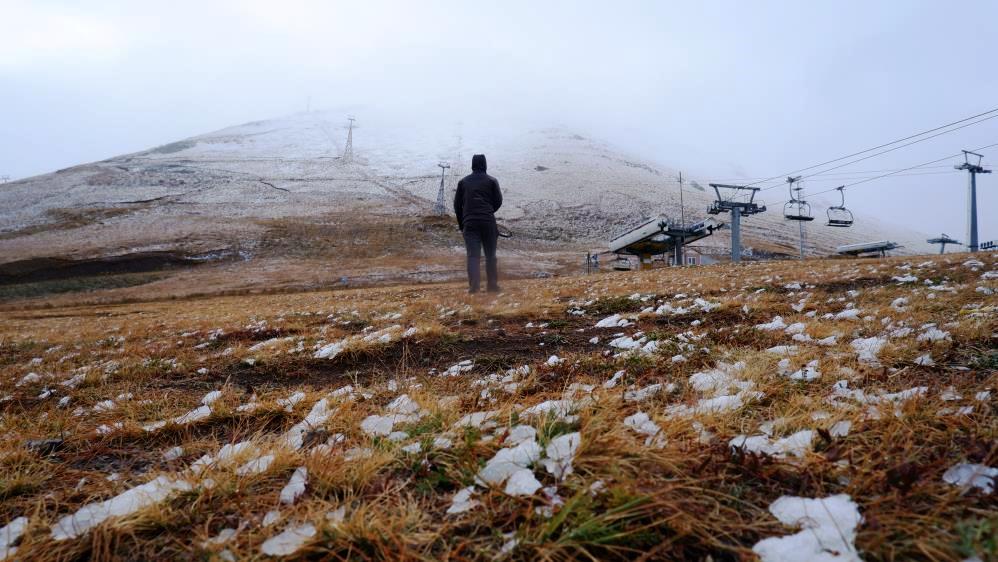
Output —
(478, 196)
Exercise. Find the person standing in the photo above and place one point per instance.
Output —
(475, 203)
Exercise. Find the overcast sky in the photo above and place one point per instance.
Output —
(724, 90)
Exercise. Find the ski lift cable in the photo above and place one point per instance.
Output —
(874, 155)
(854, 178)
(669, 182)
(916, 135)
(843, 172)
(904, 169)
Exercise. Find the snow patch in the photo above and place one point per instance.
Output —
(641, 423)
(126, 503)
(295, 486)
(462, 502)
(288, 541)
(561, 452)
(828, 530)
(776, 323)
(10, 534)
(972, 476)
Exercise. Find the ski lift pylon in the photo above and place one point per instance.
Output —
(839, 216)
(796, 209)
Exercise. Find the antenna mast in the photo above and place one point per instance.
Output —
(974, 169)
(348, 149)
(439, 207)
(682, 208)
(799, 198)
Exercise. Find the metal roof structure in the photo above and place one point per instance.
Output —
(942, 241)
(879, 247)
(660, 236)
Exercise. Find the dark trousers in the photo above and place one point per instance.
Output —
(479, 235)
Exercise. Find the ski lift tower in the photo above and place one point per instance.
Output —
(348, 148)
(974, 169)
(439, 207)
(797, 209)
(737, 210)
(942, 241)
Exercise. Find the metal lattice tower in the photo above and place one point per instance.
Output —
(439, 207)
(4, 179)
(682, 208)
(348, 149)
(803, 210)
(942, 241)
(737, 209)
(974, 169)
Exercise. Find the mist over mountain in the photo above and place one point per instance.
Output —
(221, 191)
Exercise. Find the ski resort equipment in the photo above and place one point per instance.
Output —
(659, 236)
(439, 209)
(348, 147)
(592, 261)
(880, 247)
(942, 241)
(974, 169)
(796, 209)
(622, 264)
(737, 210)
(989, 245)
(504, 232)
(839, 216)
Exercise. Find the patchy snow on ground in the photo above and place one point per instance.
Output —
(868, 348)
(507, 461)
(641, 423)
(614, 321)
(288, 541)
(295, 486)
(798, 444)
(462, 502)
(968, 475)
(828, 530)
(776, 323)
(561, 452)
(126, 503)
(10, 534)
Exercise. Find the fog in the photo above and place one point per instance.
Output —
(730, 91)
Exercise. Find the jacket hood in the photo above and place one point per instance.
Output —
(478, 163)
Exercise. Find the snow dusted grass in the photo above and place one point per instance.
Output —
(450, 426)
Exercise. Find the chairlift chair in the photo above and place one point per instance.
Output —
(796, 209)
(839, 216)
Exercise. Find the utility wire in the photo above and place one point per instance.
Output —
(853, 178)
(905, 169)
(844, 172)
(805, 176)
(846, 176)
(934, 129)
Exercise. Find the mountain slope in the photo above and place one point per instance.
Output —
(223, 191)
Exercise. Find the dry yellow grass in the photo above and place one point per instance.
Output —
(367, 497)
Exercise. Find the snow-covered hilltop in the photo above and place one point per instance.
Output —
(213, 191)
